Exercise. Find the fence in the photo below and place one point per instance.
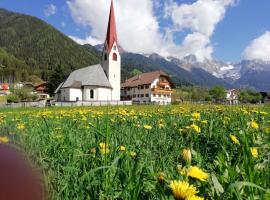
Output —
(24, 104)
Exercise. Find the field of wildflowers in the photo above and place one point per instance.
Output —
(186, 152)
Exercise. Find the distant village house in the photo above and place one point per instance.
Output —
(232, 97)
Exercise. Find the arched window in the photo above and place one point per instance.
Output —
(114, 56)
(91, 94)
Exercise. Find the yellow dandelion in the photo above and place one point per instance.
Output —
(122, 148)
(20, 126)
(103, 148)
(148, 127)
(196, 128)
(186, 155)
(4, 139)
(132, 153)
(182, 190)
(196, 116)
(254, 152)
(197, 173)
(234, 139)
(254, 125)
(194, 197)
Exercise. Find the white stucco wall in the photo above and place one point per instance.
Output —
(100, 94)
(113, 71)
(75, 94)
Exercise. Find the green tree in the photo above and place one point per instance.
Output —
(218, 93)
(250, 96)
(135, 72)
(56, 78)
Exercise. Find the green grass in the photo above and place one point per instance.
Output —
(62, 141)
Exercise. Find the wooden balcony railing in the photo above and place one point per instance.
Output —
(161, 91)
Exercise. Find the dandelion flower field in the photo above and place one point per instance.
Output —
(186, 152)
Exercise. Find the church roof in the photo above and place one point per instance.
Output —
(58, 88)
(145, 79)
(111, 32)
(88, 76)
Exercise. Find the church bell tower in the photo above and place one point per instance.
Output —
(111, 59)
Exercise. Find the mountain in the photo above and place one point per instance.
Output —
(254, 73)
(245, 74)
(40, 46)
(218, 69)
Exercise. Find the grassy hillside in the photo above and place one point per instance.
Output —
(41, 46)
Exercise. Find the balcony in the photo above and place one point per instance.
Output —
(163, 83)
(161, 91)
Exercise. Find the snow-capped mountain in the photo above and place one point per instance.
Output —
(247, 73)
(218, 69)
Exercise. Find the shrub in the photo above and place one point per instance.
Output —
(13, 98)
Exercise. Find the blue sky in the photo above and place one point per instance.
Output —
(244, 21)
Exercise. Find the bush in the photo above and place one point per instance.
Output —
(218, 93)
(13, 98)
(250, 96)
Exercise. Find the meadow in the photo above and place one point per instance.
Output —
(184, 152)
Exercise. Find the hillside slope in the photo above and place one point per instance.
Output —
(41, 46)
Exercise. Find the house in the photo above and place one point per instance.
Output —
(4, 89)
(152, 87)
(41, 88)
(232, 97)
(98, 82)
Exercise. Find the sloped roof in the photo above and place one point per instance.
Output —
(58, 88)
(88, 76)
(145, 79)
(111, 36)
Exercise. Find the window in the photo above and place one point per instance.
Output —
(154, 95)
(147, 87)
(142, 87)
(142, 95)
(114, 56)
(159, 95)
(91, 94)
(105, 56)
(114, 47)
(146, 95)
(134, 95)
(138, 95)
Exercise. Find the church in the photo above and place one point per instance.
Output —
(99, 82)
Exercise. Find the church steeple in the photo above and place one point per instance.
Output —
(111, 58)
(111, 36)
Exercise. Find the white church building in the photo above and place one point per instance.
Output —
(98, 82)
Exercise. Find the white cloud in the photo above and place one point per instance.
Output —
(201, 18)
(50, 10)
(139, 29)
(87, 40)
(259, 49)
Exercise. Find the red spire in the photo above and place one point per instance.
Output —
(111, 32)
